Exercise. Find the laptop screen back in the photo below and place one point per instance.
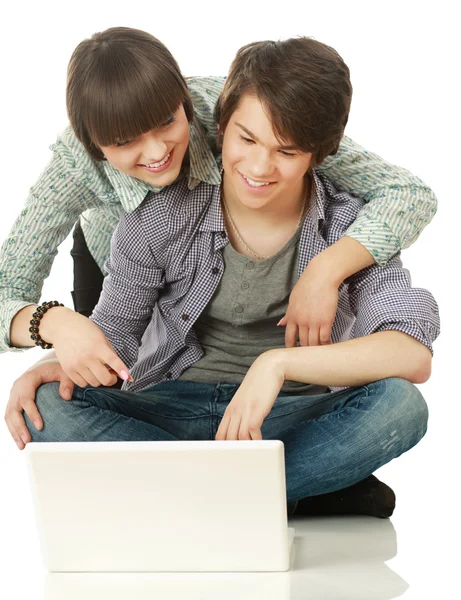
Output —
(161, 506)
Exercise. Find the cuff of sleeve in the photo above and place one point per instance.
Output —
(8, 310)
(377, 238)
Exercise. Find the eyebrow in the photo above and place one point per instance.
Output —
(252, 135)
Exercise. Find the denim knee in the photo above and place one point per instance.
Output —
(409, 409)
(56, 415)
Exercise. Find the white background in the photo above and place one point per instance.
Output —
(404, 62)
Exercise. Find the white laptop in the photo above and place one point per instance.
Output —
(161, 506)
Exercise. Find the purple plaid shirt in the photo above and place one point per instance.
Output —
(166, 263)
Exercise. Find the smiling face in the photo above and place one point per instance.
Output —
(260, 171)
(155, 156)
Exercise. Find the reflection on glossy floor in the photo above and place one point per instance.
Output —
(336, 558)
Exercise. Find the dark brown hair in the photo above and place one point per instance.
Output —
(304, 86)
(121, 83)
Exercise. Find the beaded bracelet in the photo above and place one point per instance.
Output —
(35, 322)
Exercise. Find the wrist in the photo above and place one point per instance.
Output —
(274, 362)
(324, 269)
(339, 261)
(52, 322)
(294, 364)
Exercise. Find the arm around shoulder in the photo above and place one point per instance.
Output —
(398, 204)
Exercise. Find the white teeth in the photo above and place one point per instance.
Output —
(158, 164)
(256, 183)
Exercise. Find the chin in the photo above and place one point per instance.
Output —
(161, 179)
(254, 203)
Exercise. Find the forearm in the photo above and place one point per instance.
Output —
(355, 362)
(19, 331)
(55, 202)
(339, 261)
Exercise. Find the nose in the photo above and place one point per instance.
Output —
(260, 163)
(154, 148)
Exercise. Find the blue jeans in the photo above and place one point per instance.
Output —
(331, 440)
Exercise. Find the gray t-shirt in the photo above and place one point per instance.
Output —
(240, 322)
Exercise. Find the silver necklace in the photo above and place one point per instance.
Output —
(234, 228)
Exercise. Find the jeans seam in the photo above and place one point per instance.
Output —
(151, 412)
(293, 412)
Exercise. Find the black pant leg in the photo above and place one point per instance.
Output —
(88, 277)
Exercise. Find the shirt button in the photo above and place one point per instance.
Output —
(215, 270)
(185, 317)
(250, 265)
(169, 375)
(223, 234)
(239, 308)
(245, 285)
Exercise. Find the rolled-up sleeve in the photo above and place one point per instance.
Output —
(130, 290)
(382, 298)
(51, 210)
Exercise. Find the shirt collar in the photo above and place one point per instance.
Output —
(213, 219)
(316, 205)
(204, 167)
